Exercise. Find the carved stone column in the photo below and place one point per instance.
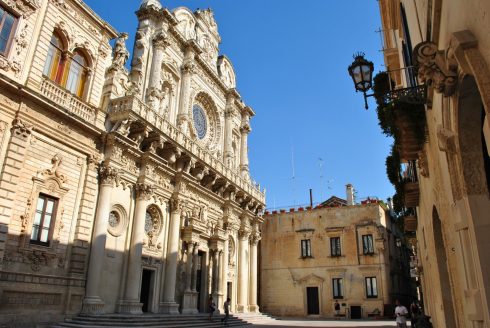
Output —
(244, 130)
(169, 306)
(229, 114)
(253, 307)
(154, 93)
(92, 303)
(195, 262)
(242, 306)
(131, 302)
(188, 68)
(224, 270)
(216, 274)
(189, 305)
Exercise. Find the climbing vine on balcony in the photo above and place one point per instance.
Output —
(405, 123)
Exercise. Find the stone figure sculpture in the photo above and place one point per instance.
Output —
(120, 53)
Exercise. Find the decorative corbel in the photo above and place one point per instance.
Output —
(446, 140)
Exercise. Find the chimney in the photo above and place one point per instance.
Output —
(349, 189)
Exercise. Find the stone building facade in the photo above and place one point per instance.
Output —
(121, 190)
(310, 258)
(449, 43)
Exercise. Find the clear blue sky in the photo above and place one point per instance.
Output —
(291, 59)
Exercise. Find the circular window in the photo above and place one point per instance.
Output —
(118, 221)
(200, 121)
(153, 223)
(114, 219)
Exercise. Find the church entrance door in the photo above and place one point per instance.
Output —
(145, 294)
(312, 300)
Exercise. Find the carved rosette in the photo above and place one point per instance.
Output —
(144, 191)
(108, 175)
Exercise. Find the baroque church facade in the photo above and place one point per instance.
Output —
(122, 191)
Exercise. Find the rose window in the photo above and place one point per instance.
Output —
(200, 121)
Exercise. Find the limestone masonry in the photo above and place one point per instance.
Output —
(121, 190)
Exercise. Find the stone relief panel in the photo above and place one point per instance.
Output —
(226, 72)
(187, 23)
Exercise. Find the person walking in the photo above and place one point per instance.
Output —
(336, 307)
(415, 311)
(401, 313)
(226, 307)
(211, 308)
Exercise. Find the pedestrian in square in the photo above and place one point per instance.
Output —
(226, 307)
(336, 307)
(211, 308)
(401, 313)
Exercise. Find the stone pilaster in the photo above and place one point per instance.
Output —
(224, 270)
(169, 305)
(216, 276)
(92, 303)
(253, 307)
(189, 305)
(243, 272)
(188, 68)
(195, 262)
(229, 114)
(131, 302)
(154, 93)
(244, 130)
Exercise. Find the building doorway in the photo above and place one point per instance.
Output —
(229, 289)
(442, 265)
(146, 290)
(355, 312)
(312, 301)
(199, 280)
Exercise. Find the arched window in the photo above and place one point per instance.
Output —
(55, 62)
(77, 74)
(69, 72)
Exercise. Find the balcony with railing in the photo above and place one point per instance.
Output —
(131, 105)
(68, 101)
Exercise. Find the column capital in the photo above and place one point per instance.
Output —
(188, 67)
(108, 175)
(177, 205)
(245, 128)
(144, 191)
(254, 238)
(160, 41)
(243, 234)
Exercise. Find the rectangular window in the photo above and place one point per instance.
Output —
(371, 287)
(44, 216)
(337, 288)
(7, 27)
(367, 244)
(305, 248)
(335, 246)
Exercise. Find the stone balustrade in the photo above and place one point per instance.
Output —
(68, 101)
(133, 104)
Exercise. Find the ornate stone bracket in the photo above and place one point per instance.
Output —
(435, 68)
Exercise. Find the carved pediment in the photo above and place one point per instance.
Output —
(311, 278)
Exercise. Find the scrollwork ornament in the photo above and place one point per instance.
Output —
(21, 128)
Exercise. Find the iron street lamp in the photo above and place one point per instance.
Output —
(361, 71)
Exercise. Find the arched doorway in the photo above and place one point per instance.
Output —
(472, 192)
(442, 267)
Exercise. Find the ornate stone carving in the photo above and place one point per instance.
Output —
(21, 128)
(446, 140)
(120, 53)
(423, 164)
(434, 68)
(53, 172)
(25, 7)
(144, 191)
(160, 41)
(108, 175)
